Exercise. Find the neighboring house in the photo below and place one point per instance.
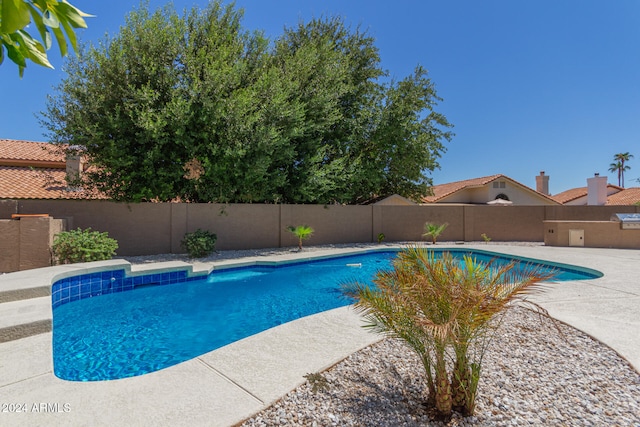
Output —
(578, 196)
(494, 189)
(395, 200)
(37, 170)
(598, 192)
(628, 196)
(616, 196)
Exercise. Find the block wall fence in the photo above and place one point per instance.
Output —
(154, 228)
(26, 243)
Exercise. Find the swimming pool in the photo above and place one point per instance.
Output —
(108, 325)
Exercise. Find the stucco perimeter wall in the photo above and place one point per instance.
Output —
(586, 213)
(143, 228)
(399, 223)
(9, 245)
(597, 234)
(8, 207)
(504, 223)
(331, 223)
(238, 226)
(26, 243)
(155, 228)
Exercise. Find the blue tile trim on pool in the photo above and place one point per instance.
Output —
(90, 285)
(106, 282)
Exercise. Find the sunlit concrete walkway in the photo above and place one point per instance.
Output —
(226, 386)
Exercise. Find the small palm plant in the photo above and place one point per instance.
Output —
(445, 310)
(434, 230)
(302, 232)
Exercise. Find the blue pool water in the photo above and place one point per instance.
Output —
(126, 333)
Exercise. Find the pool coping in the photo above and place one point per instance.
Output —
(229, 384)
(120, 271)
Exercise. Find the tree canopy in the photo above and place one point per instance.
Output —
(194, 107)
(48, 16)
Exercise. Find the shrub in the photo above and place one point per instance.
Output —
(434, 230)
(443, 309)
(83, 246)
(301, 232)
(200, 243)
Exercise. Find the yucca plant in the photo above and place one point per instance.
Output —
(434, 230)
(302, 232)
(444, 308)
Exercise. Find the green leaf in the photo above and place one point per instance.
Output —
(15, 55)
(50, 19)
(70, 34)
(14, 15)
(66, 12)
(30, 48)
(62, 41)
(42, 29)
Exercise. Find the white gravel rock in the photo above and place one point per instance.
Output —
(531, 375)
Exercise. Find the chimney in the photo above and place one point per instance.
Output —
(75, 167)
(597, 190)
(542, 183)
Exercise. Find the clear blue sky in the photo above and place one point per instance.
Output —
(549, 85)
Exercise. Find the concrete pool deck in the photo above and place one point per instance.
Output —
(227, 385)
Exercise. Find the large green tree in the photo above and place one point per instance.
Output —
(48, 16)
(195, 108)
(408, 138)
(335, 72)
(177, 107)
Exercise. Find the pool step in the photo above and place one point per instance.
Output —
(24, 317)
(23, 294)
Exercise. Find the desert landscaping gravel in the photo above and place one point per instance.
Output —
(532, 375)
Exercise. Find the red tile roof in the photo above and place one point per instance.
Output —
(628, 196)
(35, 170)
(443, 190)
(569, 195)
(12, 151)
(28, 183)
(575, 193)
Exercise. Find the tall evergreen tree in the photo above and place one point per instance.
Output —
(195, 108)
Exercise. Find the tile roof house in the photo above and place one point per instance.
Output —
(493, 189)
(627, 196)
(616, 196)
(395, 200)
(37, 170)
(578, 196)
(599, 192)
